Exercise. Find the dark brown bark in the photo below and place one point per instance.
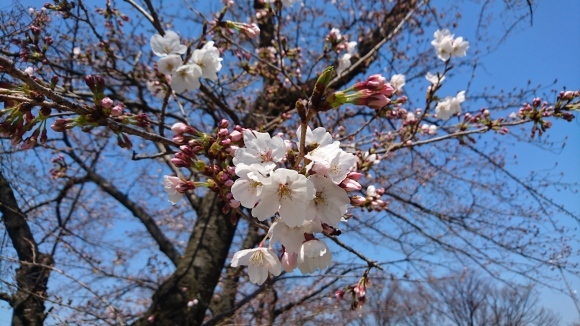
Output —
(32, 275)
(198, 271)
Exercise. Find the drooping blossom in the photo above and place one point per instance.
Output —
(450, 106)
(260, 261)
(170, 184)
(313, 255)
(167, 45)
(290, 237)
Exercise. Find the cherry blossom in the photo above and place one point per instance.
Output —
(260, 148)
(260, 261)
(449, 106)
(168, 64)
(287, 193)
(344, 61)
(185, 78)
(170, 184)
(313, 255)
(208, 59)
(434, 79)
(247, 188)
(167, 45)
(447, 46)
(330, 202)
(398, 81)
(290, 237)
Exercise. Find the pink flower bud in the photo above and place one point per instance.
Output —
(224, 123)
(377, 101)
(289, 261)
(387, 90)
(350, 185)
(251, 31)
(432, 130)
(236, 135)
(354, 175)
(180, 128)
(117, 110)
(178, 162)
(180, 140)
(373, 83)
(223, 132)
(107, 103)
(568, 95)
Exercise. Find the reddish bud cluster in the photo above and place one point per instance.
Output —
(358, 292)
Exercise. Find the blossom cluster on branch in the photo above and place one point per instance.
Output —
(203, 63)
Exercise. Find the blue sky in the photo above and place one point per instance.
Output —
(543, 52)
(546, 51)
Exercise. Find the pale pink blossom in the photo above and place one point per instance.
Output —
(330, 202)
(186, 78)
(167, 65)
(208, 59)
(170, 184)
(260, 261)
(397, 82)
(166, 45)
(287, 193)
(289, 261)
(313, 255)
(260, 148)
(450, 106)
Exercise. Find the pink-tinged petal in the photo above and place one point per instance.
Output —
(289, 261)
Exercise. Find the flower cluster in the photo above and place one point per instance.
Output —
(448, 46)
(204, 62)
(450, 106)
(304, 203)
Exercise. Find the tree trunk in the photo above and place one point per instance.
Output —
(198, 271)
(32, 275)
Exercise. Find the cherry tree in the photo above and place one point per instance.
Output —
(236, 162)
